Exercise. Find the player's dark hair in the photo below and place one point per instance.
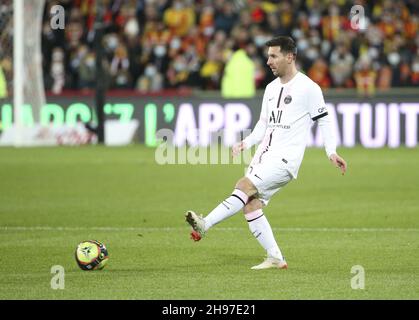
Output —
(287, 44)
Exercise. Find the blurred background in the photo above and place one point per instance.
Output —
(157, 54)
(162, 44)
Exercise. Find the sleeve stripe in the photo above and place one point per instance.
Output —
(319, 116)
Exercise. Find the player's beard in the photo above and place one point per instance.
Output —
(280, 71)
(277, 72)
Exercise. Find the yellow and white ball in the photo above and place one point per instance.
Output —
(91, 255)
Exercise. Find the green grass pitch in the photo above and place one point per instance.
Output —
(325, 223)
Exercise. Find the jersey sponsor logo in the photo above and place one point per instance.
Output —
(275, 118)
(275, 121)
(288, 99)
(279, 126)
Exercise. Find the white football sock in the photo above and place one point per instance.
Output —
(261, 229)
(227, 208)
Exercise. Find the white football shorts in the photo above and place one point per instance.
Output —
(268, 178)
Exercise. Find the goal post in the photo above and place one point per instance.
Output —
(21, 62)
(18, 69)
(25, 119)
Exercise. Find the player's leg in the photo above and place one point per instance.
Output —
(261, 229)
(268, 178)
(228, 207)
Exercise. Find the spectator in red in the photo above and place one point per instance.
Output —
(365, 77)
(319, 73)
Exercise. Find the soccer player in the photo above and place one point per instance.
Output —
(291, 103)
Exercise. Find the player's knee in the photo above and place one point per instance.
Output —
(245, 185)
(252, 205)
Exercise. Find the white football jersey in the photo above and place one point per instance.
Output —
(288, 112)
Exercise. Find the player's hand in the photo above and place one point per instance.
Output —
(339, 162)
(237, 148)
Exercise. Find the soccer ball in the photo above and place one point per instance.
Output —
(91, 255)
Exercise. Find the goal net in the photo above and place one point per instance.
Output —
(22, 93)
(24, 119)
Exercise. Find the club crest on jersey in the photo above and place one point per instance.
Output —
(287, 99)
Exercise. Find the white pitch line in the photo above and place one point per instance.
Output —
(129, 229)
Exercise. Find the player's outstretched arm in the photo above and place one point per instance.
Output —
(237, 148)
(338, 162)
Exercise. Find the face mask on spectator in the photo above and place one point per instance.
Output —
(179, 66)
(373, 53)
(297, 34)
(121, 79)
(131, 28)
(315, 40)
(312, 53)
(260, 40)
(160, 51)
(208, 31)
(90, 62)
(325, 47)
(112, 42)
(175, 43)
(302, 45)
(393, 58)
(150, 71)
(314, 19)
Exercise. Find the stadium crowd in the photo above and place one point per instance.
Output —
(152, 45)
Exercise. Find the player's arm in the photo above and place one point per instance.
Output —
(339, 162)
(325, 126)
(258, 132)
(318, 112)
